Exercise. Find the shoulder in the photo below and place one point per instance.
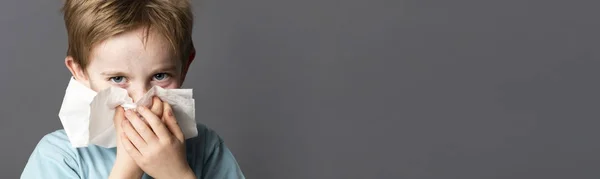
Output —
(212, 157)
(56, 142)
(206, 140)
(208, 135)
(55, 146)
(53, 157)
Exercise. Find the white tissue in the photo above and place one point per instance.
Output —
(87, 116)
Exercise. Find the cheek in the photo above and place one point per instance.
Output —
(98, 83)
(171, 85)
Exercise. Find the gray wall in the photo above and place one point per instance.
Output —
(357, 89)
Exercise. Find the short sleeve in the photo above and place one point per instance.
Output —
(221, 164)
(51, 159)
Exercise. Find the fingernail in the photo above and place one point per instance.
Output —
(140, 108)
(128, 112)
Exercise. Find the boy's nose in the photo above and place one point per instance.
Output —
(137, 92)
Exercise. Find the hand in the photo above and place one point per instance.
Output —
(125, 166)
(156, 145)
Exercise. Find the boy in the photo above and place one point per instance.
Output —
(135, 45)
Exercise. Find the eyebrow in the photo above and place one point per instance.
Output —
(170, 68)
(113, 73)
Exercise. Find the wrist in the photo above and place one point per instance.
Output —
(188, 174)
(120, 174)
(124, 175)
(121, 171)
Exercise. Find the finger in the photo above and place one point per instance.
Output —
(157, 106)
(133, 136)
(129, 147)
(157, 125)
(171, 122)
(119, 116)
(140, 126)
(117, 120)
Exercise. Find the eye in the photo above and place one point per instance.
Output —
(161, 76)
(117, 79)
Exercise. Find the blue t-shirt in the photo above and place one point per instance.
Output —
(53, 157)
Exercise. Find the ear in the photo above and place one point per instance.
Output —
(188, 63)
(77, 71)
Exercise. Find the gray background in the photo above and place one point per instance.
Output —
(356, 89)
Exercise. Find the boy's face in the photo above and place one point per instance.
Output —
(127, 62)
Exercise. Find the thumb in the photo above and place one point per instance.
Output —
(119, 116)
(171, 122)
(157, 106)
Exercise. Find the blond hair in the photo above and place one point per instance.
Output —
(90, 22)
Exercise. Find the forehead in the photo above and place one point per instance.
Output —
(136, 48)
